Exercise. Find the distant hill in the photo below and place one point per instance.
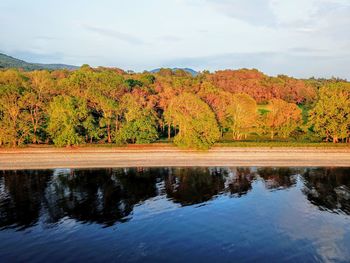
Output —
(189, 70)
(11, 62)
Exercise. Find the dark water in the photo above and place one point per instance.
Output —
(175, 215)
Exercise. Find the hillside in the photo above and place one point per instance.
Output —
(188, 70)
(11, 62)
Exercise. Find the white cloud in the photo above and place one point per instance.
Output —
(108, 32)
(256, 12)
(298, 37)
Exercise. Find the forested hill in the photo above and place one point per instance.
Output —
(11, 62)
(188, 70)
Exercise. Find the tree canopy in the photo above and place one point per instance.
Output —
(66, 120)
(331, 116)
(138, 122)
(282, 119)
(195, 121)
(108, 105)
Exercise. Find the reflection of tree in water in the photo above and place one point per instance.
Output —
(21, 195)
(101, 196)
(240, 181)
(108, 196)
(189, 186)
(328, 188)
(278, 178)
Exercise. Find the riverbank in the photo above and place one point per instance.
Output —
(156, 156)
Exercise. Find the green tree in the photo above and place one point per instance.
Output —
(132, 83)
(66, 120)
(195, 120)
(105, 90)
(108, 109)
(139, 122)
(330, 118)
(92, 129)
(147, 79)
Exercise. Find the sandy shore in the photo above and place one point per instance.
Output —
(43, 158)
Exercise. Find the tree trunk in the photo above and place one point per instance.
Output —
(35, 141)
(116, 124)
(327, 136)
(109, 133)
(168, 132)
(35, 126)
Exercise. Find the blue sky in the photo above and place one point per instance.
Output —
(301, 38)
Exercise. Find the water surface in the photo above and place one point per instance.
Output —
(224, 214)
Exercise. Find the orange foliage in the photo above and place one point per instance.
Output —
(261, 87)
(283, 118)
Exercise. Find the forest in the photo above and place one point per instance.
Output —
(110, 106)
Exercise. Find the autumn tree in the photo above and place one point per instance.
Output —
(242, 115)
(108, 104)
(219, 101)
(235, 112)
(35, 100)
(165, 93)
(12, 77)
(282, 119)
(262, 87)
(77, 83)
(330, 118)
(13, 126)
(195, 120)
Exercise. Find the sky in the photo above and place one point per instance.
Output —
(301, 38)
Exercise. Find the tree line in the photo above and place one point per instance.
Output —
(111, 106)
